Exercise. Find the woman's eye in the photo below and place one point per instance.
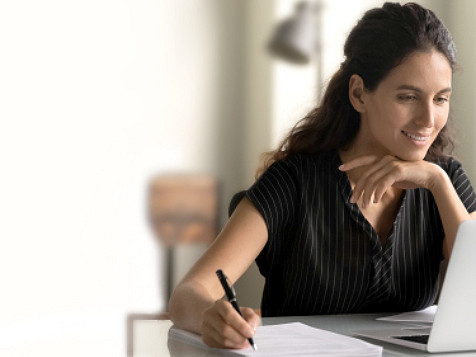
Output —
(441, 100)
(407, 98)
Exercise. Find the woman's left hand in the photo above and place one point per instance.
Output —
(389, 171)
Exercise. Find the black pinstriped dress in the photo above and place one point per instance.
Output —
(324, 257)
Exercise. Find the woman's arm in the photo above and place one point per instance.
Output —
(389, 171)
(451, 209)
(194, 306)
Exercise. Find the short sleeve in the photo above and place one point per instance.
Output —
(275, 195)
(462, 184)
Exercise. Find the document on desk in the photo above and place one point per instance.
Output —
(426, 315)
(292, 339)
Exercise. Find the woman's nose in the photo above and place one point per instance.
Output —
(426, 117)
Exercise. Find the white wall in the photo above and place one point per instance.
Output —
(295, 88)
(460, 19)
(84, 123)
(96, 97)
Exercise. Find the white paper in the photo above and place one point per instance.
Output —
(293, 339)
(426, 315)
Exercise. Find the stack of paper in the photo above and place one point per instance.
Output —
(293, 339)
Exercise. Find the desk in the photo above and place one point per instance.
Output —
(149, 337)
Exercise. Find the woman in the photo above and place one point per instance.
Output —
(357, 208)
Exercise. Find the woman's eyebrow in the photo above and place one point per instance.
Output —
(419, 90)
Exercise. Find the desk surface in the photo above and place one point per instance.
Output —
(149, 337)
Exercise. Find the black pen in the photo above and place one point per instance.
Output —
(231, 296)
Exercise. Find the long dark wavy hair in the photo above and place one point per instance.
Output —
(379, 42)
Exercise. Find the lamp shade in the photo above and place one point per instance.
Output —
(183, 209)
(296, 38)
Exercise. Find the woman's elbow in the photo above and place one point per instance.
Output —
(174, 305)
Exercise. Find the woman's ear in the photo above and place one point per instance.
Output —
(356, 93)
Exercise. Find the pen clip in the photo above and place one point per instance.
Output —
(227, 286)
(232, 288)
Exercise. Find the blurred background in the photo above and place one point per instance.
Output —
(102, 100)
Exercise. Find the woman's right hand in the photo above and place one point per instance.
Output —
(223, 327)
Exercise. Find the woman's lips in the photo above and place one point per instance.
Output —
(417, 136)
(419, 139)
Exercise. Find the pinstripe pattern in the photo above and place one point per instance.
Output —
(324, 257)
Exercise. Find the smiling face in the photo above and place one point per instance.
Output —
(407, 110)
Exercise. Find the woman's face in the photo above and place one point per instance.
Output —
(410, 106)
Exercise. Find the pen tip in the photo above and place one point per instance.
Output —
(255, 347)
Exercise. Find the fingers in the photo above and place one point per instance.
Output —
(223, 327)
(386, 181)
(367, 183)
(234, 319)
(360, 161)
(374, 186)
(221, 335)
(379, 174)
(251, 317)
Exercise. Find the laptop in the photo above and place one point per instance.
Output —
(454, 326)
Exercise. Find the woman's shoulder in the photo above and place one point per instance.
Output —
(302, 167)
(449, 163)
